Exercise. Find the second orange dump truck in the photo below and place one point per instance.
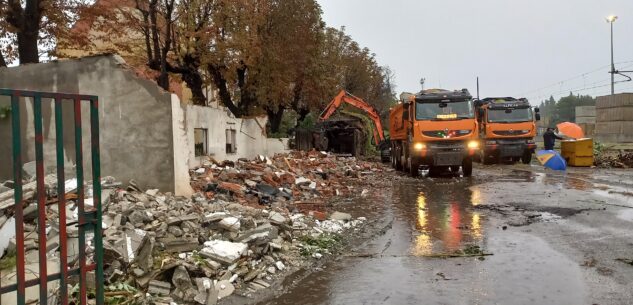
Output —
(507, 129)
(436, 129)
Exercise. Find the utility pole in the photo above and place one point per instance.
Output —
(611, 19)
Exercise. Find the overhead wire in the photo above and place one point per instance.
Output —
(582, 75)
(593, 85)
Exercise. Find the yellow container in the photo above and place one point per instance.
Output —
(578, 152)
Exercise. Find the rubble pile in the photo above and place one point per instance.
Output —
(300, 181)
(619, 160)
(241, 229)
(249, 222)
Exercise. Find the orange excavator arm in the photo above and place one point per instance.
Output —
(346, 97)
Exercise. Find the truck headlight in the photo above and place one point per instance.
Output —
(473, 144)
(419, 146)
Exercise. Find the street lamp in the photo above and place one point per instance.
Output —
(611, 19)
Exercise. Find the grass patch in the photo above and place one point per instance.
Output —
(468, 251)
(471, 250)
(325, 242)
(119, 293)
(8, 261)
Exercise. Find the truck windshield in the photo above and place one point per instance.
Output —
(451, 111)
(509, 115)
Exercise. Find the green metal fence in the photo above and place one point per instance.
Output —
(89, 219)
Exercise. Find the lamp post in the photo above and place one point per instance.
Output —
(611, 19)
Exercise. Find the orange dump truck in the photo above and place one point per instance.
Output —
(435, 129)
(507, 129)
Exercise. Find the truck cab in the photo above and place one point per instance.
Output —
(436, 129)
(507, 129)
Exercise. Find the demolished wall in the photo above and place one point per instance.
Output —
(250, 134)
(146, 133)
(134, 117)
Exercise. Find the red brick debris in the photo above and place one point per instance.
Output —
(305, 181)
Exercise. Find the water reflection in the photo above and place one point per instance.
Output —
(445, 220)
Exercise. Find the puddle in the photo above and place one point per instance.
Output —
(441, 214)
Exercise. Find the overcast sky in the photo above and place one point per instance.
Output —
(528, 48)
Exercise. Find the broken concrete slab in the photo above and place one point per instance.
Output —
(145, 259)
(159, 288)
(262, 234)
(225, 251)
(224, 288)
(341, 216)
(230, 224)
(179, 245)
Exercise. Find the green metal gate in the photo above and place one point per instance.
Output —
(89, 219)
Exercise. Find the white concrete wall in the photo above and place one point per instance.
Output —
(277, 146)
(134, 119)
(250, 134)
(182, 186)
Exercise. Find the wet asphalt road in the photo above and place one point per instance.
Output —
(553, 239)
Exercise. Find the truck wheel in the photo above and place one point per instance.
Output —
(527, 157)
(398, 157)
(488, 159)
(467, 167)
(414, 166)
(434, 171)
(405, 157)
(393, 155)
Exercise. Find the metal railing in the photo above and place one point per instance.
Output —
(88, 220)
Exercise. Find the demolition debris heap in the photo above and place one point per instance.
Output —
(249, 223)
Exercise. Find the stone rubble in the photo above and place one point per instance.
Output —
(243, 229)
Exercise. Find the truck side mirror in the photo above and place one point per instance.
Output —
(537, 116)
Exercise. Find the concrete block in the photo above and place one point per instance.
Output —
(584, 111)
(624, 113)
(619, 127)
(585, 120)
(618, 100)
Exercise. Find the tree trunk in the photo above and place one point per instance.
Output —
(303, 113)
(27, 24)
(27, 48)
(193, 79)
(3, 63)
(146, 29)
(274, 118)
(154, 32)
(223, 91)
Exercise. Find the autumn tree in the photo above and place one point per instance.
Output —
(290, 50)
(31, 28)
(261, 56)
(234, 50)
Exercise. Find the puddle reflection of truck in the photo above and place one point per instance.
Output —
(435, 129)
(507, 129)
